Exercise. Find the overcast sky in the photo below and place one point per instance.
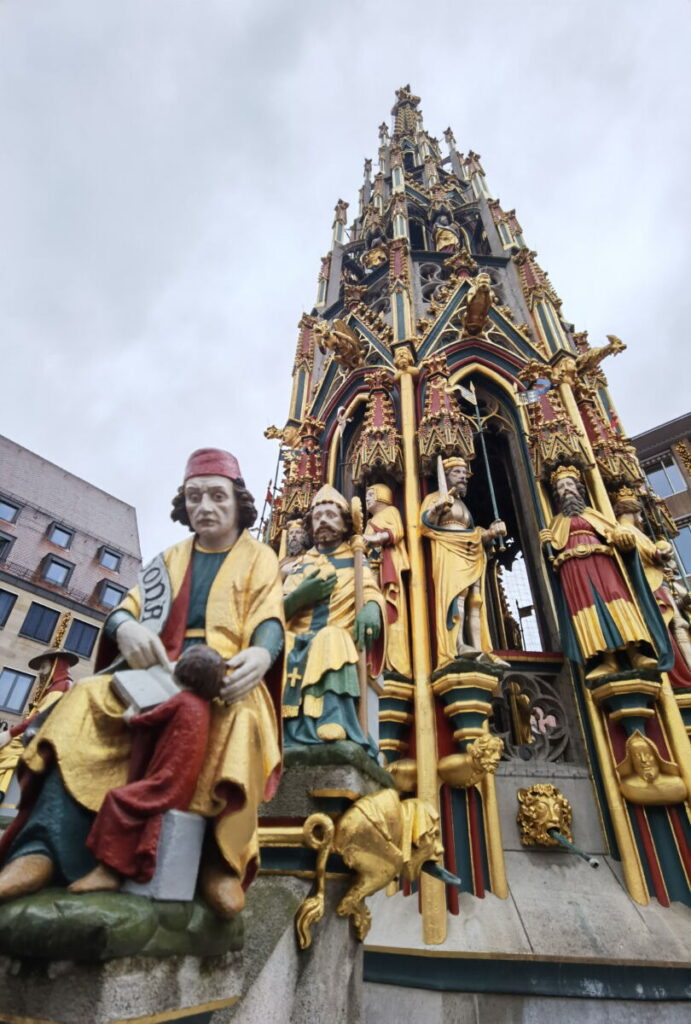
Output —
(170, 169)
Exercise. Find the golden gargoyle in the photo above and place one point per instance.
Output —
(380, 838)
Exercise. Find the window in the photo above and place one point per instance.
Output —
(39, 622)
(81, 638)
(8, 511)
(683, 545)
(14, 689)
(60, 535)
(110, 559)
(664, 476)
(504, 234)
(7, 599)
(56, 571)
(110, 594)
(6, 542)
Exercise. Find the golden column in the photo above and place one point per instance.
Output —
(433, 891)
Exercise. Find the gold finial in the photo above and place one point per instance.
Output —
(62, 629)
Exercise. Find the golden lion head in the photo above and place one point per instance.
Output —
(543, 807)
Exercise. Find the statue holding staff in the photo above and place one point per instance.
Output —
(325, 630)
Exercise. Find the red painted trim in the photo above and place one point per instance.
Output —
(449, 848)
(673, 813)
(475, 826)
(651, 855)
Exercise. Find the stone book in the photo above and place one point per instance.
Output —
(144, 688)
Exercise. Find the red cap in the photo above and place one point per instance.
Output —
(212, 462)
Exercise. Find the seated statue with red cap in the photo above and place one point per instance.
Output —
(221, 588)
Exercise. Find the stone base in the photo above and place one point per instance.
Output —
(567, 938)
(387, 1004)
(125, 990)
(287, 985)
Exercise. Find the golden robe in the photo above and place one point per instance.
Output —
(242, 765)
(458, 561)
(394, 562)
(327, 626)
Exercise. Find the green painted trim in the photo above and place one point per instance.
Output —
(532, 977)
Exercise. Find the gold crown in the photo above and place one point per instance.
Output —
(563, 471)
(626, 492)
(292, 523)
(455, 460)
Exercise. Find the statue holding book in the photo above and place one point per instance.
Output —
(221, 588)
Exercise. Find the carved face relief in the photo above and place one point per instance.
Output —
(370, 499)
(644, 761)
(402, 359)
(212, 510)
(328, 527)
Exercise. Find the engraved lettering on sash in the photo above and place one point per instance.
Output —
(154, 583)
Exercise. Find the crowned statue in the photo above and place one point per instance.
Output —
(601, 596)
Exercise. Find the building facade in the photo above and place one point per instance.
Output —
(665, 455)
(68, 552)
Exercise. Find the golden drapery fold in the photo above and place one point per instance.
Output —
(394, 562)
(458, 561)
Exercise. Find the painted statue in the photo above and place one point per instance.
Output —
(657, 558)
(376, 254)
(445, 234)
(222, 588)
(54, 679)
(459, 563)
(169, 741)
(385, 532)
(600, 614)
(325, 630)
(297, 542)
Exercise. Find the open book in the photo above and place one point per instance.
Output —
(143, 688)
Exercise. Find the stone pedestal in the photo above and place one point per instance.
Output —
(126, 989)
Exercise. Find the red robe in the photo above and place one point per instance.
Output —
(168, 747)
